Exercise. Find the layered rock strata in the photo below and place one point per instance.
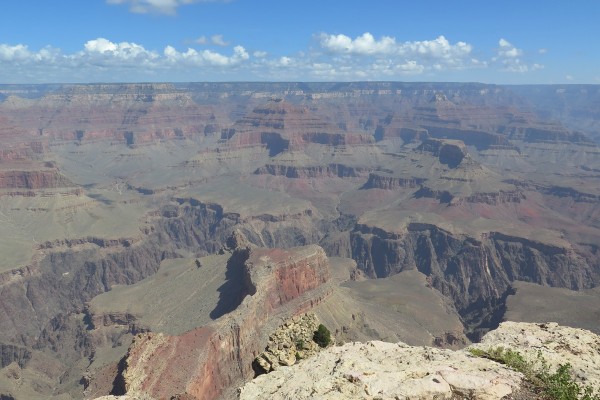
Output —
(204, 362)
(474, 273)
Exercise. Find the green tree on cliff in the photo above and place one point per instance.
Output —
(322, 336)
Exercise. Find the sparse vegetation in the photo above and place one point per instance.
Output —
(322, 336)
(559, 385)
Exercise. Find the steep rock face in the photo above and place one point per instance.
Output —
(44, 179)
(474, 273)
(379, 180)
(378, 370)
(204, 361)
(317, 171)
(491, 198)
(281, 126)
(11, 353)
(74, 271)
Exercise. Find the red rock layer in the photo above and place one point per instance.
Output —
(207, 360)
(33, 180)
(281, 126)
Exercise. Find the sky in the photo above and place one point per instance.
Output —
(503, 42)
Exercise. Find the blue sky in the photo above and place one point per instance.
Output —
(287, 40)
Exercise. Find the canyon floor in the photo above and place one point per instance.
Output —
(153, 236)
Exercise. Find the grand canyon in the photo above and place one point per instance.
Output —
(154, 236)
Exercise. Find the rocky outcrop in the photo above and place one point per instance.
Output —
(495, 198)
(316, 171)
(291, 342)
(207, 360)
(43, 179)
(556, 344)
(491, 198)
(378, 370)
(389, 182)
(477, 138)
(11, 353)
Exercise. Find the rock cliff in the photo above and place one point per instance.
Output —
(206, 361)
(474, 273)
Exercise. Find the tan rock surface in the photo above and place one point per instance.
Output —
(556, 344)
(378, 370)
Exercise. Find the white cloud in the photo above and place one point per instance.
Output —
(18, 52)
(438, 53)
(157, 6)
(365, 44)
(507, 50)
(218, 40)
(192, 57)
(103, 52)
(542, 51)
(510, 59)
(439, 48)
(337, 58)
(569, 77)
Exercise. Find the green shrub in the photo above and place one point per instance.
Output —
(559, 385)
(322, 336)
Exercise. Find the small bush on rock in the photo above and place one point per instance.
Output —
(322, 336)
(559, 385)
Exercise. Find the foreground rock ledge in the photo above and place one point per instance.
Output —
(379, 370)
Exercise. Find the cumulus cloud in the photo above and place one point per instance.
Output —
(435, 53)
(18, 52)
(364, 44)
(157, 6)
(510, 58)
(338, 57)
(508, 50)
(205, 57)
(102, 59)
(104, 50)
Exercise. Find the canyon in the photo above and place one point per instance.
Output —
(154, 236)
